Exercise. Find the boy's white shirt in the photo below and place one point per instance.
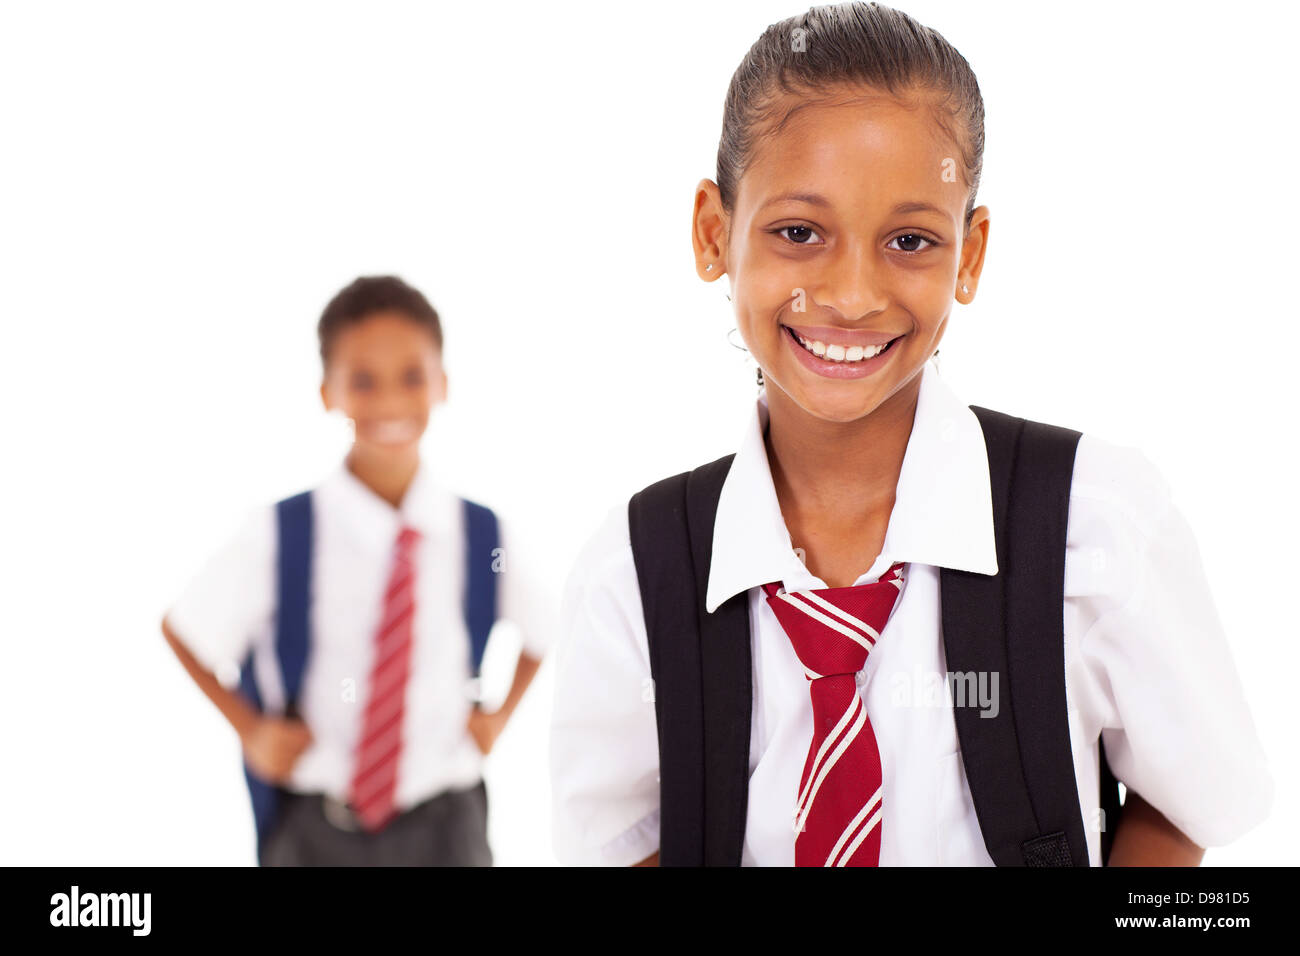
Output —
(229, 607)
(1147, 663)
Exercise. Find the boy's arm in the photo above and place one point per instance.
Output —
(651, 860)
(271, 744)
(1144, 837)
(242, 716)
(525, 670)
(487, 726)
(528, 606)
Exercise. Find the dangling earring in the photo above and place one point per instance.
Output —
(758, 371)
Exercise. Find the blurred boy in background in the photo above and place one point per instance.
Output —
(358, 613)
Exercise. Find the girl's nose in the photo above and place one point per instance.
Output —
(852, 285)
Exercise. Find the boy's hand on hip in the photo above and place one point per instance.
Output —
(273, 746)
(485, 727)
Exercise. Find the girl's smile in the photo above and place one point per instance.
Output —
(841, 353)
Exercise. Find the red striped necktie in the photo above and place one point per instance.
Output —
(838, 814)
(374, 779)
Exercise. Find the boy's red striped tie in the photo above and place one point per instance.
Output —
(837, 817)
(374, 780)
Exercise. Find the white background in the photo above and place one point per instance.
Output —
(184, 186)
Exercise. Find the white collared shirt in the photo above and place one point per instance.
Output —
(229, 607)
(1147, 663)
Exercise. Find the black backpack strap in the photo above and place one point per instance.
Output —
(1110, 803)
(1019, 764)
(701, 667)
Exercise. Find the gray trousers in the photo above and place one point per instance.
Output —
(448, 829)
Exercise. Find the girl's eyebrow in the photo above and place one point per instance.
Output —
(905, 207)
(816, 199)
(813, 199)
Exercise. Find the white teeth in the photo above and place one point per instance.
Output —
(838, 353)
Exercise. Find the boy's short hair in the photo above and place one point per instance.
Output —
(370, 294)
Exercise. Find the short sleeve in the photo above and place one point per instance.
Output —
(525, 601)
(231, 599)
(1177, 727)
(604, 741)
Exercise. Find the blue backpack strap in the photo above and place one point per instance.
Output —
(264, 796)
(482, 540)
(293, 594)
(293, 579)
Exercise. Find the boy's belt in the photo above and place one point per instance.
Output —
(341, 815)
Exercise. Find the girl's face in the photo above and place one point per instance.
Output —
(385, 374)
(848, 231)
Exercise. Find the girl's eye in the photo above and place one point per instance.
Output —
(362, 381)
(914, 238)
(798, 234)
(414, 376)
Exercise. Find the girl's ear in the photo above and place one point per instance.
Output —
(709, 228)
(973, 248)
(324, 396)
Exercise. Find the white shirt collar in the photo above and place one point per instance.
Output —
(428, 505)
(943, 506)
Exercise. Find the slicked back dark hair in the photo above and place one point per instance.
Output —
(853, 45)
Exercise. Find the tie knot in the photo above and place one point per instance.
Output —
(834, 629)
(407, 539)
